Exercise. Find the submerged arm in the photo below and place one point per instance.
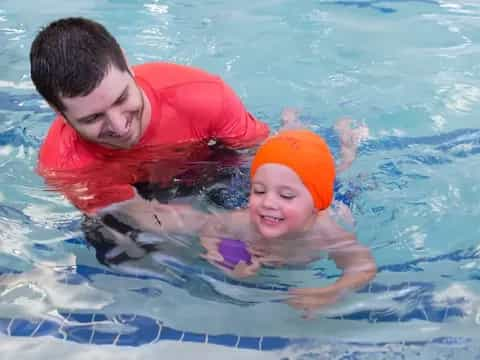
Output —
(358, 268)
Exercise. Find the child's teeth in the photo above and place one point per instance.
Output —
(272, 218)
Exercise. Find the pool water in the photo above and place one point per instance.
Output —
(410, 70)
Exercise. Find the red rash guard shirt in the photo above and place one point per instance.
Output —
(189, 108)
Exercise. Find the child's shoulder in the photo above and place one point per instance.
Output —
(329, 227)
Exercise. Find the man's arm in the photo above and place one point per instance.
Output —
(157, 218)
(236, 128)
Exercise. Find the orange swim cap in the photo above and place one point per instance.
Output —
(308, 155)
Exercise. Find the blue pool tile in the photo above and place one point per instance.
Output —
(385, 10)
(81, 317)
(415, 314)
(416, 285)
(249, 343)
(193, 337)
(65, 315)
(76, 241)
(146, 331)
(384, 317)
(48, 328)
(377, 288)
(400, 268)
(168, 333)
(72, 279)
(148, 291)
(450, 340)
(6, 270)
(80, 334)
(43, 247)
(357, 315)
(454, 312)
(280, 288)
(100, 317)
(104, 338)
(435, 314)
(4, 323)
(274, 343)
(183, 268)
(224, 339)
(22, 327)
(88, 271)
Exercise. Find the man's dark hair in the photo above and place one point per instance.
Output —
(70, 57)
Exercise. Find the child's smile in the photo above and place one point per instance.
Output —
(279, 202)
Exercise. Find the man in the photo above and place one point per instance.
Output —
(118, 126)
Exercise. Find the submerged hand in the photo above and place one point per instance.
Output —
(214, 257)
(311, 299)
(243, 270)
(211, 246)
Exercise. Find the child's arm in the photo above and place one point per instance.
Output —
(358, 268)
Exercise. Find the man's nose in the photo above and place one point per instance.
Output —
(116, 122)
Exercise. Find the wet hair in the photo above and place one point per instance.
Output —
(70, 57)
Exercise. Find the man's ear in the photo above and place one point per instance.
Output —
(58, 112)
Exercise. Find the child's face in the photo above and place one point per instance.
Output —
(279, 201)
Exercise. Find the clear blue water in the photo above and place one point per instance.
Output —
(409, 69)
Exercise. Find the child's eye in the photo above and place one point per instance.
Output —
(287, 196)
(258, 192)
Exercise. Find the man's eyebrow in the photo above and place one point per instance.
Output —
(117, 100)
(122, 95)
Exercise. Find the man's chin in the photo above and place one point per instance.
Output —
(119, 146)
(123, 145)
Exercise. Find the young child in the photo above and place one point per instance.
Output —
(289, 220)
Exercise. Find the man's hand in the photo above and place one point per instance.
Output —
(124, 238)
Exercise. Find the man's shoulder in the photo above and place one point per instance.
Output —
(62, 149)
(164, 74)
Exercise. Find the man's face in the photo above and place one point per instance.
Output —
(115, 114)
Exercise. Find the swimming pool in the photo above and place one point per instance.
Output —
(409, 69)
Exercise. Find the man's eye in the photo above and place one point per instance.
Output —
(121, 100)
(91, 119)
